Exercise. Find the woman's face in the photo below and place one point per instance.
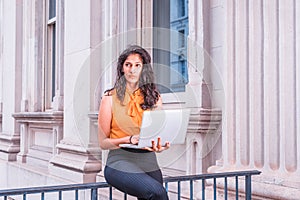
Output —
(132, 68)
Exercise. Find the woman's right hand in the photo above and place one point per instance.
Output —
(157, 147)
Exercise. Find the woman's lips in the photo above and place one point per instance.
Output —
(132, 77)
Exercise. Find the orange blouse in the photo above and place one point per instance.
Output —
(126, 117)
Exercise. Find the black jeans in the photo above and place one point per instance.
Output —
(135, 173)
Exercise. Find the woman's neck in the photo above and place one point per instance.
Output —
(131, 87)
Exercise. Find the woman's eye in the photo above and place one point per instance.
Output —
(127, 65)
(138, 65)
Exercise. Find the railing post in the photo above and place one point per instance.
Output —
(215, 189)
(166, 187)
(225, 188)
(110, 193)
(76, 194)
(178, 190)
(94, 193)
(236, 187)
(203, 189)
(191, 190)
(248, 187)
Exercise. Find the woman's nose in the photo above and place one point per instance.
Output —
(132, 70)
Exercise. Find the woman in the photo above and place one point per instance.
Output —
(132, 171)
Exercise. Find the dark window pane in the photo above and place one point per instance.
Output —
(181, 8)
(53, 61)
(52, 8)
(181, 39)
(161, 44)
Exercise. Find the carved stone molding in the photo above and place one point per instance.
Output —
(204, 121)
(55, 117)
(40, 132)
(203, 135)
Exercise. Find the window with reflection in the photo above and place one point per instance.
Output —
(170, 21)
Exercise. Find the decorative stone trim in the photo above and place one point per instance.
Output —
(204, 121)
(76, 162)
(40, 132)
(55, 117)
(203, 135)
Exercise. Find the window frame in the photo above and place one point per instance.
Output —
(49, 86)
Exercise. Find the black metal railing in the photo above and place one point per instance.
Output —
(94, 189)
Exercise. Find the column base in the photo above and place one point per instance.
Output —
(71, 174)
(21, 158)
(75, 163)
(9, 147)
(100, 177)
(8, 156)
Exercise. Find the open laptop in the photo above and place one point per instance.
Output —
(169, 125)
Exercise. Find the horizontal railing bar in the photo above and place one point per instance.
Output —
(210, 176)
(56, 188)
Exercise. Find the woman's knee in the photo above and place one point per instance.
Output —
(158, 193)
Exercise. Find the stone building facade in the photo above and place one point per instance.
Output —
(242, 81)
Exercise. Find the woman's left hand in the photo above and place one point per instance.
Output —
(157, 147)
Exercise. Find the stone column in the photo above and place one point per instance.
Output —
(11, 56)
(1, 58)
(261, 122)
(297, 21)
(78, 157)
(30, 45)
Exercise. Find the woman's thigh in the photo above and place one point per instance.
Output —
(142, 185)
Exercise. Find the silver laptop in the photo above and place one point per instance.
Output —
(169, 125)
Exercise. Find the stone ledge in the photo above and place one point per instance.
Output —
(55, 117)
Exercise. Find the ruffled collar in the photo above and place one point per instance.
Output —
(134, 106)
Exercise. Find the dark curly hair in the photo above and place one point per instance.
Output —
(146, 81)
